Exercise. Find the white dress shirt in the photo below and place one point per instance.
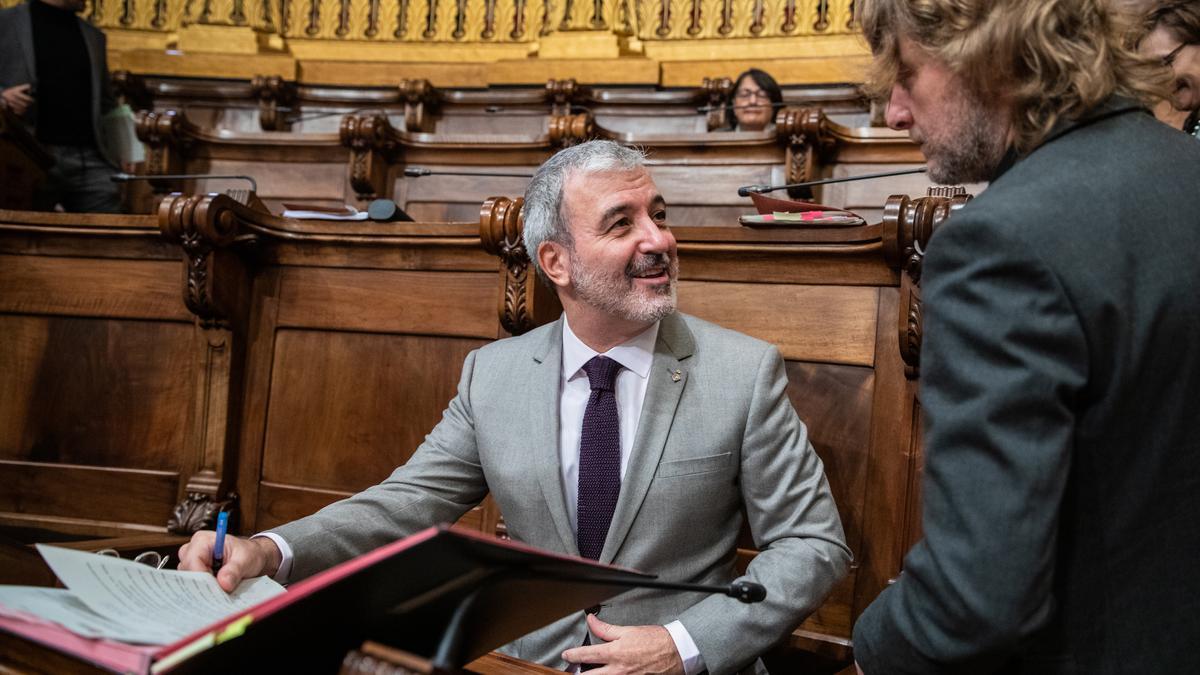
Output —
(635, 357)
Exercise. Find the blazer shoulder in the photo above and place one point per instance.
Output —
(710, 337)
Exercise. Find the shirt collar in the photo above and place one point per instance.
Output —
(635, 355)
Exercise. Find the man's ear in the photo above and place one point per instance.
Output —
(554, 259)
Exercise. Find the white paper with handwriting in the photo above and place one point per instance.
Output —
(131, 602)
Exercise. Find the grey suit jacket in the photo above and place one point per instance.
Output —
(1060, 378)
(17, 67)
(720, 438)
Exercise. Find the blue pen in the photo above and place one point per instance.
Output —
(218, 556)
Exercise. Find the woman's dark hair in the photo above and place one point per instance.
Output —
(764, 81)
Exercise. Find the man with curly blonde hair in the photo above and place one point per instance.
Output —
(1059, 374)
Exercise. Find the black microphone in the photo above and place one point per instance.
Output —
(746, 190)
(418, 172)
(387, 211)
(126, 177)
(745, 591)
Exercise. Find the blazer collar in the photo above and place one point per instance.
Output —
(543, 427)
(1114, 105)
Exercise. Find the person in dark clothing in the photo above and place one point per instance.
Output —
(1059, 377)
(54, 76)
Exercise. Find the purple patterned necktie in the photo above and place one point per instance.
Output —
(599, 458)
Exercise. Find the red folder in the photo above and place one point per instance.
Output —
(404, 594)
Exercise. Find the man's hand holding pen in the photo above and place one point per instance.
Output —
(242, 558)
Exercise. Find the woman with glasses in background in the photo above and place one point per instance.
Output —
(753, 102)
(1171, 34)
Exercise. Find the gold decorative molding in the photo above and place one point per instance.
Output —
(524, 303)
(482, 31)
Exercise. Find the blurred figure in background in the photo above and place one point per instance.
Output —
(1171, 34)
(755, 99)
(54, 76)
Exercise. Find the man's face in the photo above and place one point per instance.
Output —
(962, 138)
(1184, 61)
(623, 261)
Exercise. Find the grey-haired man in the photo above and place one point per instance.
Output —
(703, 431)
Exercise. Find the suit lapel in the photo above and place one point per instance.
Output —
(668, 376)
(25, 38)
(543, 430)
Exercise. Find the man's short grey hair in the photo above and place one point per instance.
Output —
(543, 210)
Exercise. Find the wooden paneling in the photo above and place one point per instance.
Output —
(832, 324)
(390, 301)
(347, 408)
(98, 392)
(87, 492)
(76, 286)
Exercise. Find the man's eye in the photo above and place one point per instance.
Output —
(660, 216)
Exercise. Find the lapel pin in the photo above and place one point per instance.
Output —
(675, 376)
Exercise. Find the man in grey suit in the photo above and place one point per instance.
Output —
(649, 467)
(54, 76)
(1060, 374)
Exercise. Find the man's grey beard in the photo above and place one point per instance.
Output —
(620, 296)
(975, 154)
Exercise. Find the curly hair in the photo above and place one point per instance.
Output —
(1053, 59)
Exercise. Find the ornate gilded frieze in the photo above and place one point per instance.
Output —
(482, 21)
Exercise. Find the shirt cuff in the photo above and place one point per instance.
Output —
(693, 663)
(285, 564)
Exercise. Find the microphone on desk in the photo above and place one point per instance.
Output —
(747, 592)
(419, 172)
(123, 177)
(387, 211)
(747, 190)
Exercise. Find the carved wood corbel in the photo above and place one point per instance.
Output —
(561, 94)
(568, 130)
(716, 91)
(803, 131)
(420, 102)
(273, 93)
(908, 224)
(524, 303)
(212, 231)
(373, 143)
(168, 138)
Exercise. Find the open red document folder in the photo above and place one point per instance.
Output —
(403, 594)
(795, 213)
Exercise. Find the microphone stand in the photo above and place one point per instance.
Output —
(746, 190)
(126, 177)
(418, 172)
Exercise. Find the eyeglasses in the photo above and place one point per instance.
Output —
(1169, 59)
(748, 95)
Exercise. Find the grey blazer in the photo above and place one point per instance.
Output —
(17, 67)
(719, 439)
(1060, 378)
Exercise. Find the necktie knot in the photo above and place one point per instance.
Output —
(601, 372)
